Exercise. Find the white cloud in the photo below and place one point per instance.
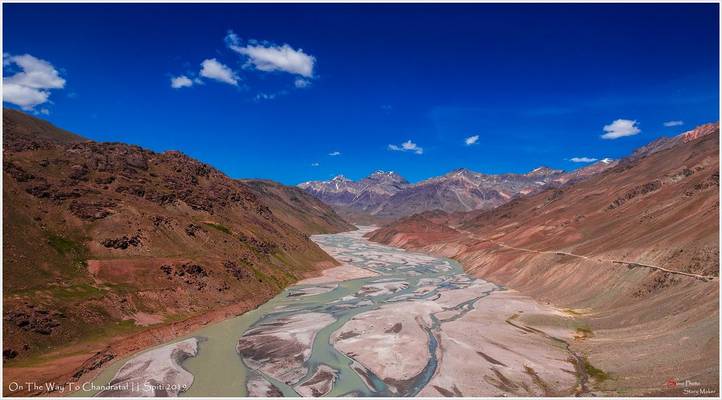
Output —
(301, 83)
(673, 123)
(407, 146)
(36, 73)
(213, 69)
(334, 153)
(269, 96)
(23, 96)
(582, 159)
(31, 86)
(620, 128)
(265, 96)
(180, 82)
(315, 164)
(268, 57)
(471, 140)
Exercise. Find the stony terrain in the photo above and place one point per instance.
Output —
(633, 251)
(109, 247)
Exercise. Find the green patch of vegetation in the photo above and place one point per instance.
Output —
(110, 328)
(61, 244)
(121, 288)
(268, 278)
(594, 372)
(282, 263)
(124, 326)
(285, 263)
(93, 333)
(170, 318)
(277, 282)
(77, 292)
(219, 227)
(260, 276)
(69, 248)
(72, 291)
(39, 353)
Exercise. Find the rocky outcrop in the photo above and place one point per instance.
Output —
(122, 242)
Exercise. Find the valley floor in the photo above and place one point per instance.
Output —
(386, 322)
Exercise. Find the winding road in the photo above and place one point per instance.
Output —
(704, 278)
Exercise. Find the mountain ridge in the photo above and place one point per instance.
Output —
(387, 195)
(131, 247)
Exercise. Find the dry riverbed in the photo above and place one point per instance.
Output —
(387, 322)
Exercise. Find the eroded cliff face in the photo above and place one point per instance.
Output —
(633, 251)
(104, 241)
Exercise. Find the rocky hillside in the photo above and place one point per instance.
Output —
(295, 207)
(633, 251)
(107, 241)
(388, 196)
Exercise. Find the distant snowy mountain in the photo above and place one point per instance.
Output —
(388, 195)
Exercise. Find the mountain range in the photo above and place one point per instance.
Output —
(387, 195)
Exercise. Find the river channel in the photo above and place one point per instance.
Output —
(377, 333)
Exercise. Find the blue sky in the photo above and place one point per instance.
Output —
(392, 87)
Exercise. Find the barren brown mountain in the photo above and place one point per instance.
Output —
(633, 252)
(109, 248)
